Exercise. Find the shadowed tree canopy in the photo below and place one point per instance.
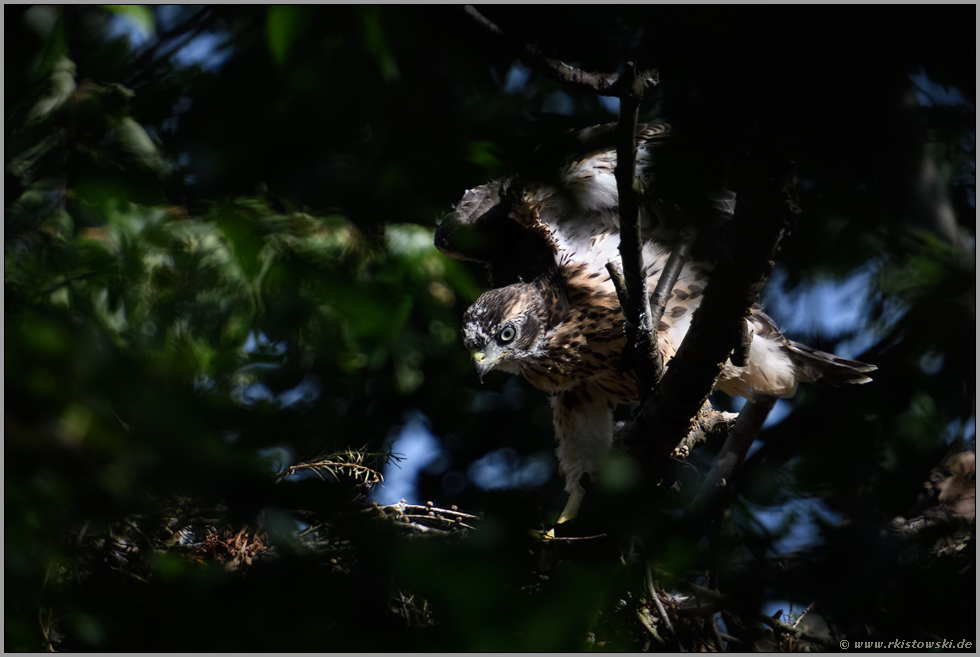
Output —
(225, 319)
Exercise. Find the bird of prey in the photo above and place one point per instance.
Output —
(553, 315)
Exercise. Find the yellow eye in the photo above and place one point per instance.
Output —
(507, 334)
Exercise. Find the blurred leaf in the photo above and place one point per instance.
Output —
(61, 85)
(484, 154)
(376, 42)
(134, 139)
(139, 15)
(284, 24)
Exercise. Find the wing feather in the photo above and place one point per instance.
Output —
(562, 209)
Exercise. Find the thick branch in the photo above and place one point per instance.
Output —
(716, 327)
(604, 84)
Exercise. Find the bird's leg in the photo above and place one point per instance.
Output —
(569, 512)
(572, 506)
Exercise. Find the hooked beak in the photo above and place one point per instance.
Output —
(482, 364)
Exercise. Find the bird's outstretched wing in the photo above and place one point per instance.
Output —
(562, 208)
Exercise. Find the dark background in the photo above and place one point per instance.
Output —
(240, 203)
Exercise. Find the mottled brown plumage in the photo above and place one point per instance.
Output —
(553, 315)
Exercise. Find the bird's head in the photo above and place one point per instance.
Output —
(506, 328)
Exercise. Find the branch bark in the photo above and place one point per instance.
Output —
(716, 328)
(780, 626)
(732, 453)
(641, 353)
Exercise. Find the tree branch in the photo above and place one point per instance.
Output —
(661, 294)
(668, 277)
(716, 326)
(710, 422)
(604, 84)
(732, 453)
(642, 353)
(782, 627)
(655, 599)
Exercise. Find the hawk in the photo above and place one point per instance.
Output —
(553, 315)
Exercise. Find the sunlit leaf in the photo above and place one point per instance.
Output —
(134, 139)
(61, 84)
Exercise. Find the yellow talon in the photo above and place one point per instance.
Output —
(572, 506)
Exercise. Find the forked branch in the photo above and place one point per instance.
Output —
(604, 84)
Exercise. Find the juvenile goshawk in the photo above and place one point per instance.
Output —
(553, 315)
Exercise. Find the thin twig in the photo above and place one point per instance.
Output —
(732, 453)
(45, 625)
(330, 467)
(604, 84)
(740, 354)
(780, 626)
(715, 634)
(349, 460)
(708, 609)
(665, 285)
(805, 612)
(696, 589)
(142, 62)
(655, 598)
(641, 352)
(71, 279)
(616, 276)
(733, 641)
(645, 619)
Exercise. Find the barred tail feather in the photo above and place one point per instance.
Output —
(813, 365)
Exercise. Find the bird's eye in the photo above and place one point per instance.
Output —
(507, 334)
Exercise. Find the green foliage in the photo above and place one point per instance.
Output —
(141, 15)
(284, 24)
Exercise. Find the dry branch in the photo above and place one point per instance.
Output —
(655, 598)
(796, 632)
(641, 352)
(732, 453)
(668, 278)
(604, 84)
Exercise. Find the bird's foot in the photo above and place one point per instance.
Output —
(567, 515)
(572, 506)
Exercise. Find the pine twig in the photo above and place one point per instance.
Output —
(346, 462)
